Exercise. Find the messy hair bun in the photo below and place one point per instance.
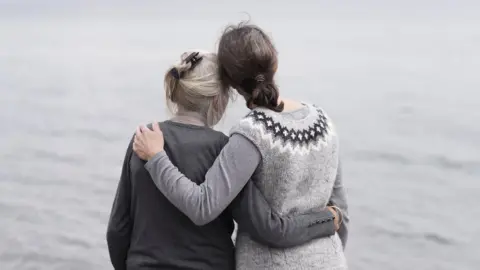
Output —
(193, 85)
(248, 62)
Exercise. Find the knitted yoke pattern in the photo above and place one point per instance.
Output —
(300, 154)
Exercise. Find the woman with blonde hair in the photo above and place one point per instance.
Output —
(147, 231)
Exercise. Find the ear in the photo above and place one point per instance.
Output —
(275, 66)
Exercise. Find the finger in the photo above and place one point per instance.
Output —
(139, 151)
(138, 141)
(138, 133)
(156, 127)
(140, 138)
(135, 148)
(136, 145)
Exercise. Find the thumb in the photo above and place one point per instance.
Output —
(156, 127)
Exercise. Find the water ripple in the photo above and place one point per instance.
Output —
(436, 238)
(57, 157)
(437, 161)
(429, 236)
(398, 158)
(443, 162)
(71, 241)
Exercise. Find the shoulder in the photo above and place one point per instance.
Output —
(219, 137)
(251, 125)
(325, 129)
(324, 121)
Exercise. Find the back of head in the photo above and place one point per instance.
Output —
(248, 62)
(193, 84)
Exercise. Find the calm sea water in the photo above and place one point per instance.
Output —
(400, 80)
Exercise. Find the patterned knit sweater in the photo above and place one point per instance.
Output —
(297, 173)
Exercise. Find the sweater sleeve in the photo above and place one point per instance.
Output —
(120, 224)
(223, 182)
(256, 217)
(202, 203)
(339, 199)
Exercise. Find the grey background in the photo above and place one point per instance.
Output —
(400, 79)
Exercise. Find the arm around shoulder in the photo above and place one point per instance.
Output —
(223, 182)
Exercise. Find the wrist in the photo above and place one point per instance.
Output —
(338, 216)
(153, 154)
(333, 211)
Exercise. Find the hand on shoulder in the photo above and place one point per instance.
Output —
(148, 142)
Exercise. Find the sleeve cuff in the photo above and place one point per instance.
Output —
(322, 217)
(323, 225)
(151, 162)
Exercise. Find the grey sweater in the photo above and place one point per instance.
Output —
(236, 164)
(300, 157)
